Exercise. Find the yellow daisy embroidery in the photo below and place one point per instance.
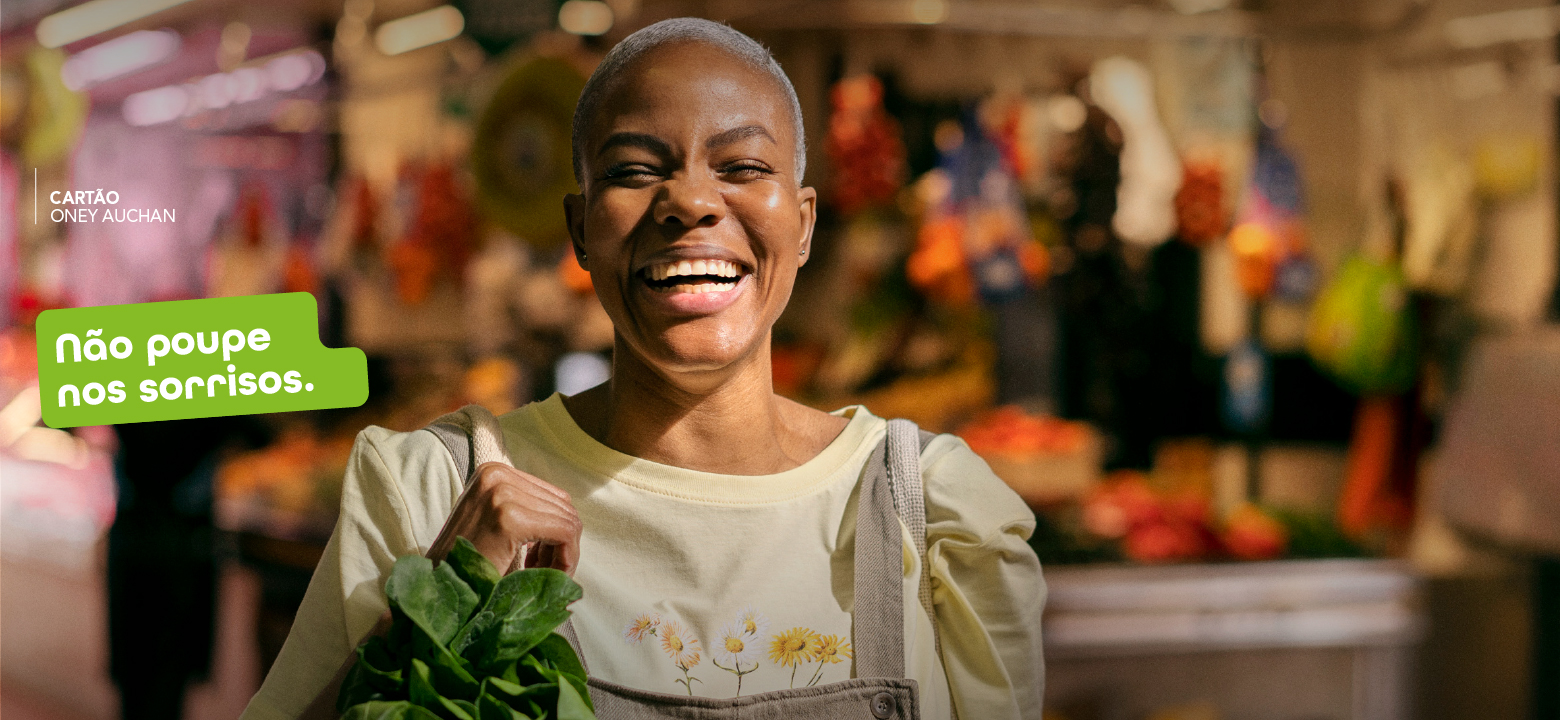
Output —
(792, 647)
(831, 649)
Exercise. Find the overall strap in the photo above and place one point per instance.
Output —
(905, 444)
(891, 490)
(879, 611)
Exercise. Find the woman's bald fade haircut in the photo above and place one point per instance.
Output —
(676, 30)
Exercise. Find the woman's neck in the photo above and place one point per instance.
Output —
(728, 422)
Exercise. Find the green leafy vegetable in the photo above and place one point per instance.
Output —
(376, 674)
(473, 567)
(385, 710)
(434, 598)
(489, 708)
(523, 610)
(451, 675)
(557, 651)
(467, 644)
(572, 705)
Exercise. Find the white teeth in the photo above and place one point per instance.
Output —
(721, 268)
(700, 288)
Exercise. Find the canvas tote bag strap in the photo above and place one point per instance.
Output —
(473, 437)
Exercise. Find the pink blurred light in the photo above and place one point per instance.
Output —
(156, 106)
(283, 74)
(118, 57)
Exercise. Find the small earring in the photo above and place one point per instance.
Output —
(804, 252)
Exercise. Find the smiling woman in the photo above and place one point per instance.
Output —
(691, 502)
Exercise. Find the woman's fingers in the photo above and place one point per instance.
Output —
(515, 494)
(557, 557)
(502, 471)
(502, 532)
(506, 510)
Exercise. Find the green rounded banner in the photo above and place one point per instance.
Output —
(191, 359)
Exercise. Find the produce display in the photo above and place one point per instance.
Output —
(1010, 431)
(1044, 459)
(1199, 204)
(864, 145)
(291, 488)
(1130, 516)
(467, 644)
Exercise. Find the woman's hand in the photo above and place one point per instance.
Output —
(502, 512)
(506, 511)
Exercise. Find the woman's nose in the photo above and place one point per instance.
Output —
(690, 202)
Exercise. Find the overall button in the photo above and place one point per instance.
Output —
(882, 705)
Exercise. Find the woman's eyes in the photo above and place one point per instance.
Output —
(745, 171)
(734, 172)
(630, 172)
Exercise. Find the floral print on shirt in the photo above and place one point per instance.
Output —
(741, 647)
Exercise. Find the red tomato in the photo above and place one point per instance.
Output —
(1252, 534)
(1162, 542)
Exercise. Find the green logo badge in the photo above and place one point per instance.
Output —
(191, 359)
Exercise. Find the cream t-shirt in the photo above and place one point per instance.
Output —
(695, 582)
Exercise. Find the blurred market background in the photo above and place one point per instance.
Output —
(1252, 301)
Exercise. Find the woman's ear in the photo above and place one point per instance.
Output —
(807, 205)
(574, 216)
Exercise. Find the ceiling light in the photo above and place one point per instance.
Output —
(155, 106)
(1475, 31)
(929, 12)
(585, 17)
(91, 18)
(420, 30)
(1197, 7)
(283, 73)
(295, 70)
(121, 56)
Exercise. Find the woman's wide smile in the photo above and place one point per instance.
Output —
(692, 281)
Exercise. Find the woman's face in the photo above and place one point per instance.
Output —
(692, 222)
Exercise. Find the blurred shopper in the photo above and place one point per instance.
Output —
(161, 565)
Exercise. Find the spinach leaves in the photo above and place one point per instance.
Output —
(468, 644)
